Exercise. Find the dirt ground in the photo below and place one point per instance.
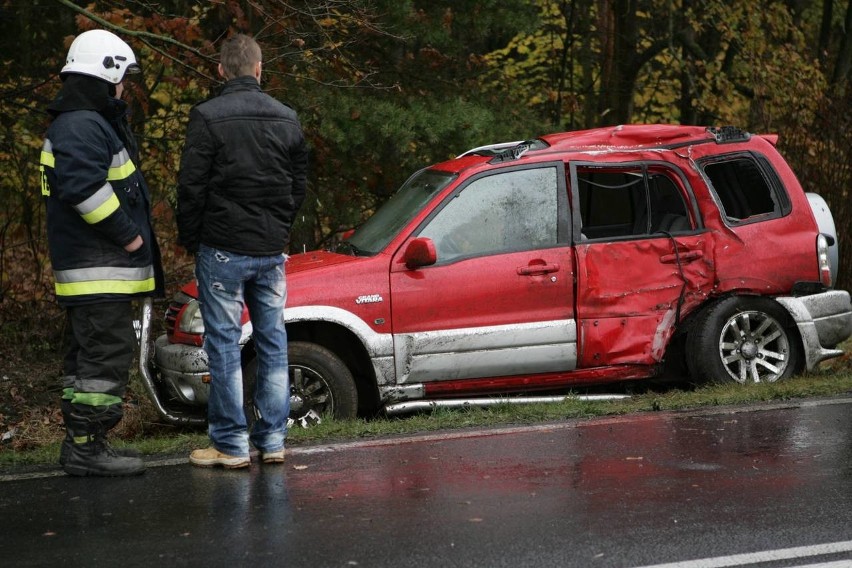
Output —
(30, 370)
(30, 383)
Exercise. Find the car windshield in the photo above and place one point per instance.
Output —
(375, 234)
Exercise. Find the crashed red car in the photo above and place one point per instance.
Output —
(568, 260)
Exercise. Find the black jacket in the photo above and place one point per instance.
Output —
(96, 199)
(242, 172)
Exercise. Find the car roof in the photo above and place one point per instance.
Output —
(622, 137)
(631, 136)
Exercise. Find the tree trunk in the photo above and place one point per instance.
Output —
(619, 72)
(844, 57)
(824, 39)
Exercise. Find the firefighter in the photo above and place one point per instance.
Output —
(102, 246)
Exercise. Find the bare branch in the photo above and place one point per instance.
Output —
(132, 33)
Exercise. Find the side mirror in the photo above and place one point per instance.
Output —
(419, 252)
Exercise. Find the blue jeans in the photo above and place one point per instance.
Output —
(226, 281)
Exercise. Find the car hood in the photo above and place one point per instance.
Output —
(316, 259)
(297, 263)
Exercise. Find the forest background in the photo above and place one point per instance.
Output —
(385, 87)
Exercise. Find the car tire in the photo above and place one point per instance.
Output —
(744, 340)
(321, 386)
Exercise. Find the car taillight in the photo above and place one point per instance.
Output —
(824, 263)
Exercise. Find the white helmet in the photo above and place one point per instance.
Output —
(101, 54)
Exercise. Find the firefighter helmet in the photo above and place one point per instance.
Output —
(101, 54)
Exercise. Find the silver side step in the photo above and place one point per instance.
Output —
(418, 405)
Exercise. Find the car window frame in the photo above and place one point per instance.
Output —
(563, 221)
(680, 181)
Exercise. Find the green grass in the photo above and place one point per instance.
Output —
(811, 386)
(833, 381)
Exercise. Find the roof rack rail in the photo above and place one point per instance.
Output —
(515, 152)
(490, 149)
(724, 134)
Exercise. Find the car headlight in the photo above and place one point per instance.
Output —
(190, 318)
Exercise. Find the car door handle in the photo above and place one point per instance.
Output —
(686, 256)
(537, 269)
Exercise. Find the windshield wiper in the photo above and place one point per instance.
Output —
(346, 247)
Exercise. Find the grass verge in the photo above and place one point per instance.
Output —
(151, 438)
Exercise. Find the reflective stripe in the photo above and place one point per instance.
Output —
(46, 160)
(121, 167)
(95, 399)
(45, 187)
(104, 280)
(104, 287)
(99, 206)
(129, 274)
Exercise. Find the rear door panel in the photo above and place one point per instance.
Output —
(643, 259)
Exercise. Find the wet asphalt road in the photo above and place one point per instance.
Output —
(715, 488)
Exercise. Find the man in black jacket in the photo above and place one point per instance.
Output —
(242, 179)
(102, 247)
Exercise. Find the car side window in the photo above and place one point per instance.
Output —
(746, 187)
(632, 201)
(508, 211)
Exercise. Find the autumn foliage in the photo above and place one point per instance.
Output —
(384, 87)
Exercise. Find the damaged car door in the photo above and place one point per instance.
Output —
(643, 259)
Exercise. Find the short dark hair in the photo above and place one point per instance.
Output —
(240, 53)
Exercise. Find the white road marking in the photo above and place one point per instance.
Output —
(769, 556)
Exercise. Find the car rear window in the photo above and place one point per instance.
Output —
(747, 188)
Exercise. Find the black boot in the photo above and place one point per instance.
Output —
(65, 448)
(96, 457)
(89, 453)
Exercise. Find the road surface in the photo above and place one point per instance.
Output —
(765, 486)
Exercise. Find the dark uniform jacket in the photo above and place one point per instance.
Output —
(242, 174)
(97, 202)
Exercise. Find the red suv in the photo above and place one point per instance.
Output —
(569, 260)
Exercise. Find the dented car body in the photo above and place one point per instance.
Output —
(572, 259)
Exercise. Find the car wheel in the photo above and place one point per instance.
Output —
(321, 385)
(747, 340)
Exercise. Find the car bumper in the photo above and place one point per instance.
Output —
(824, 320)
(183, 369)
